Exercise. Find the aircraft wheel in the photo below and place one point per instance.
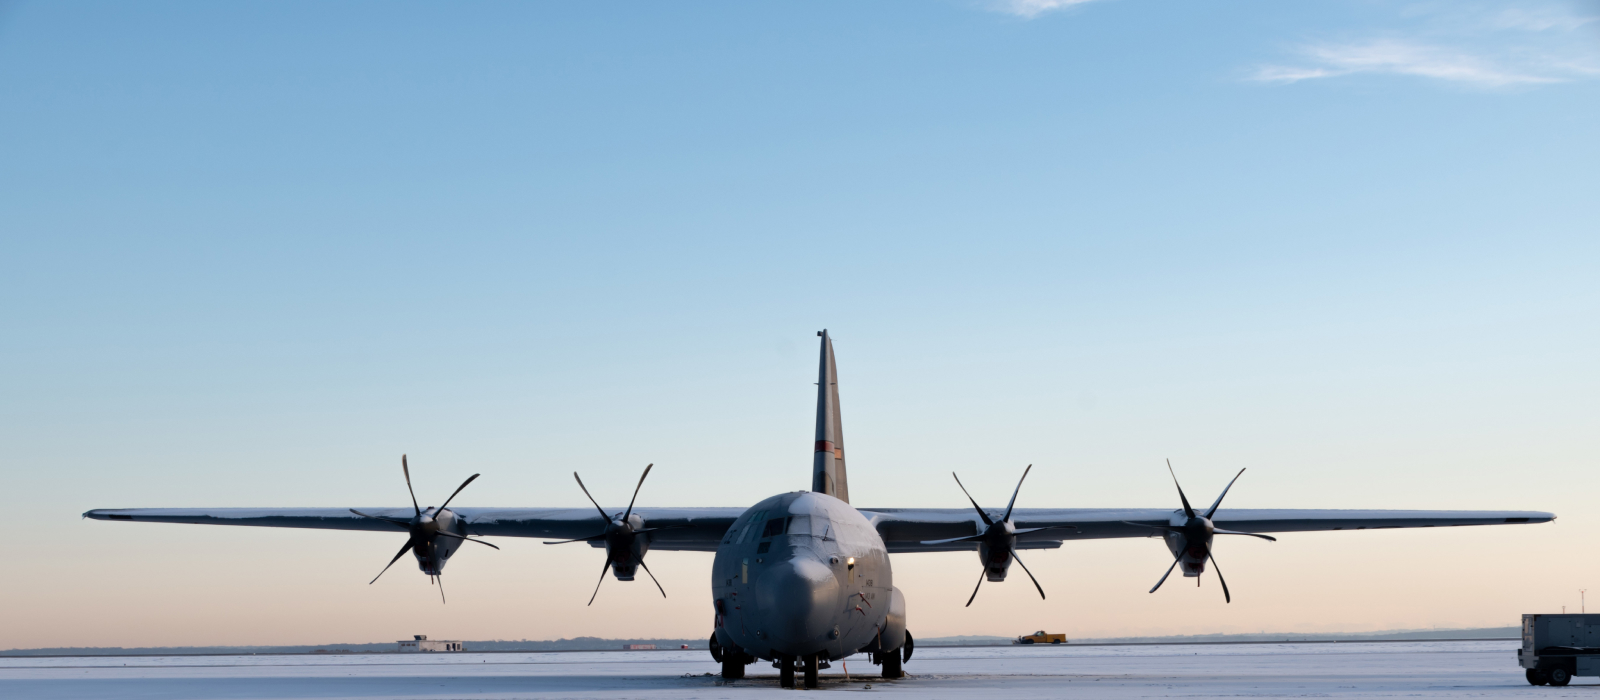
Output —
(786, 673)
(732, 667)
(811, 670)
(891, 665)
(1536, 677)
(1559, 676)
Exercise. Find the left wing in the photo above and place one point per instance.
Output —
(905, 529)
(692, 529)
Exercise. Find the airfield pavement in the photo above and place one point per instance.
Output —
(1345, 670)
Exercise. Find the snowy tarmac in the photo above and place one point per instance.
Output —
(1346, 670)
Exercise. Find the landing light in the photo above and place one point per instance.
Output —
(850, 563)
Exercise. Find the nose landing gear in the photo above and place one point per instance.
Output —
(786, 672)
(808, 665)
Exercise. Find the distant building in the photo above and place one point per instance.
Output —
(420, 642)
(638, 647)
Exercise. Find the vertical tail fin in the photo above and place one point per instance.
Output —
(827, 467)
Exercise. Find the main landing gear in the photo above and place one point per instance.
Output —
(733, 660)
(892, 660)
(891, 665)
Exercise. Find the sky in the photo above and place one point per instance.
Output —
(252, 252)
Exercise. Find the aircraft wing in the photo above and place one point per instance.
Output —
(905, 529)
(692, 529)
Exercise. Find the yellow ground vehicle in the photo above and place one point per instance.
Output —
(1042, 637)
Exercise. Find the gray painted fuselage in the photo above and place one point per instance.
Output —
(805, 573)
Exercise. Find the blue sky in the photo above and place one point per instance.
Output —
(255, 251)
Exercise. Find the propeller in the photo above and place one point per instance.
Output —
(1191, 542)
(625, 549)
(424, 530)
(997, 544)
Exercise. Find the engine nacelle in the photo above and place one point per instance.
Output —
(996, 560)
(1191, 551)
(626, 542)
(433, 552)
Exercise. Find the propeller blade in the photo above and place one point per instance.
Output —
(458, 490)
(1030, 573)
(981, 576)
(1220, 579)
(653, 579)
(1186, 509)
(397, 523)
(590, 538)
(1014, 494)
(970, 538)
(407, 471)
(1251, 534)
(1214, 506)
(396, 558)
(603, 571)
(636, 491)
(981, 514)
(1169, 572)
(459, 537)
(603, 515)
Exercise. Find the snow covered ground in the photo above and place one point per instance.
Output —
(1355, 670)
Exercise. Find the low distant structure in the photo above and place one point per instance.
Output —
(420, 642)
(638, 647)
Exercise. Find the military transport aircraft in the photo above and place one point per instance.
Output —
(803, 578)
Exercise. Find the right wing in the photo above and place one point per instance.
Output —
(906, 529)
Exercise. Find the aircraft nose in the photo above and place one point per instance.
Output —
(797, 598)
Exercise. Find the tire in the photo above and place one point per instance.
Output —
(1536, 677)
(1055, 641)
(891, 666)
(786, 673)
(732, 667)
(1559, 676)
(811, 670)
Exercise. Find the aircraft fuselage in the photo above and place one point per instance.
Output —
(803, 574)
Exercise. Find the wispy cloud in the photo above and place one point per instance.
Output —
(1399, 57)
(1493, 45)
(1030, 9)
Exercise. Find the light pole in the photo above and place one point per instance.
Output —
(1581, 607)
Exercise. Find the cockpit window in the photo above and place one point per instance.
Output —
(774, 527)
(741, 532)
(799, 524)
